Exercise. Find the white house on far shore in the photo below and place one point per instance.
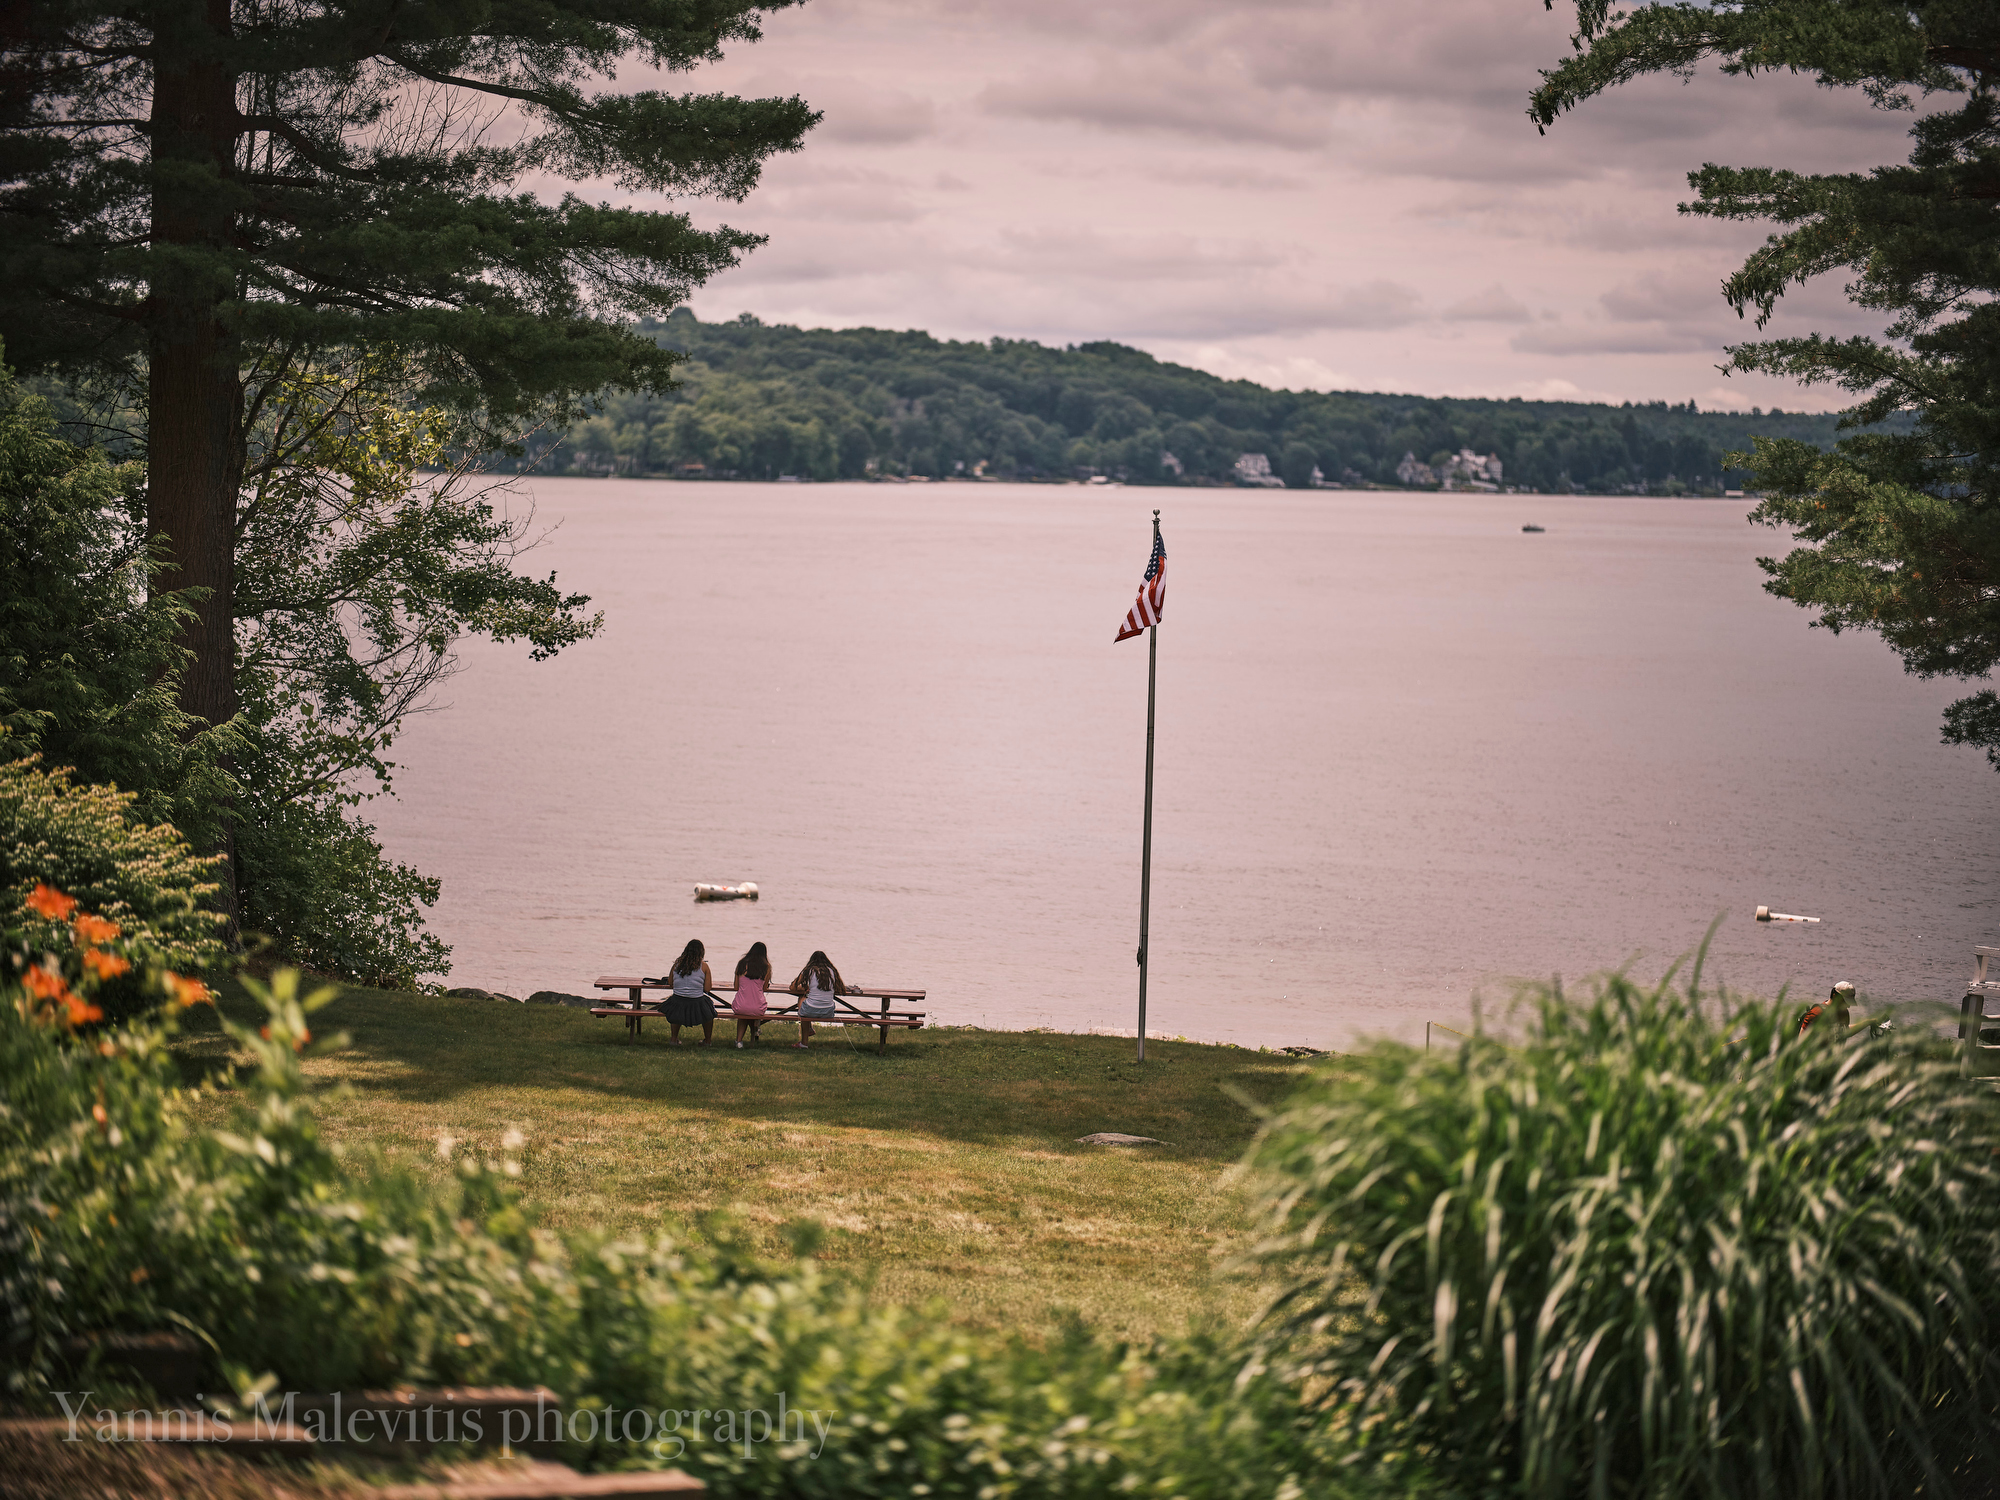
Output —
(1464, 470)
(1255, 469)
(1468, 470)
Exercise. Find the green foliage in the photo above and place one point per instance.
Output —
(757, 402)
(86, 841)
(1654, 1246)
(88, 663)
(1901, 527)
(364, 553)
(315, 882)
(308, 1272)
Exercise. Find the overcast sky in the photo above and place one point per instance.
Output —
(1308, 193)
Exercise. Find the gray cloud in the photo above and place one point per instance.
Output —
(1266, 306)
(1611, 338)
(1494, 305)
(879, 120)
(1206, 103)
(1650, 299)
(1096, 255)
(848, 194)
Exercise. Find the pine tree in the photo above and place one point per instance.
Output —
(200, 194)
(1901, 532)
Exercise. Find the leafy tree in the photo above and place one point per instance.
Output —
(89, 666)
(200, 192)
(1901, 528)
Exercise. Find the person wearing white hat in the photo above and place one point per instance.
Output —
(1839, 999)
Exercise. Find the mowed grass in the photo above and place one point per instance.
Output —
(946, 1169)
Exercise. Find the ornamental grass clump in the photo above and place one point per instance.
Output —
(1652, 1244)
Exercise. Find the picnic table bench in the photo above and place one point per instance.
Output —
(635, 1008)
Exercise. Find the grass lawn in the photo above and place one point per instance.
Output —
(946, 1169)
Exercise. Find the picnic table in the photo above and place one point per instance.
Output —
(635, 1009)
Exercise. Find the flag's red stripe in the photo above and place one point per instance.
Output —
(1150, 605)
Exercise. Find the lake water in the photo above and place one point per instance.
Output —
(1404, 752)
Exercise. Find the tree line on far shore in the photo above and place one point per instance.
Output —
(761, 401)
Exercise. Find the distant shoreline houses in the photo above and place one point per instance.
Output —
(1463, 470)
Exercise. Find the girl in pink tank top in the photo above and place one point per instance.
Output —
(753, 972)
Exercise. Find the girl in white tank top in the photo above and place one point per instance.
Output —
(818, 982)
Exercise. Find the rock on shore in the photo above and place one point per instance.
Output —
(540, 997)
(556, 997)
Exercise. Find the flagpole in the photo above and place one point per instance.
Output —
(1146, 840)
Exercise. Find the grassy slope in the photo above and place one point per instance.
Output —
(947, 1168)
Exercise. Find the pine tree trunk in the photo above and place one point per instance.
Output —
(195, 397)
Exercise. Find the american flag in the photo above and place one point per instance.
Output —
(1152, 599)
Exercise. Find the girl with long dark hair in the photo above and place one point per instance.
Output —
(753, 972)
(689, 1004)
(818, 982)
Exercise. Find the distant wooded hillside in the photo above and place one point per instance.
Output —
(761, 401)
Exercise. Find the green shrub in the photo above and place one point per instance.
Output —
(316, 883)
(1655, 1247)
(307, 1272)
(84, 841)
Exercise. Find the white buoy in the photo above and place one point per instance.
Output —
(1765, 914)
(747, 891)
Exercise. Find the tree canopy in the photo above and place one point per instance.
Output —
(1900, 528)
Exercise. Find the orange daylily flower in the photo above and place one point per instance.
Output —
(44, 985)
(187, 991)
(105, 965)
(51, 903)
(47, 986)
(90, 929)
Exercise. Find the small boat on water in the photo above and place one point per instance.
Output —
(1531, 526)
(746, 891)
